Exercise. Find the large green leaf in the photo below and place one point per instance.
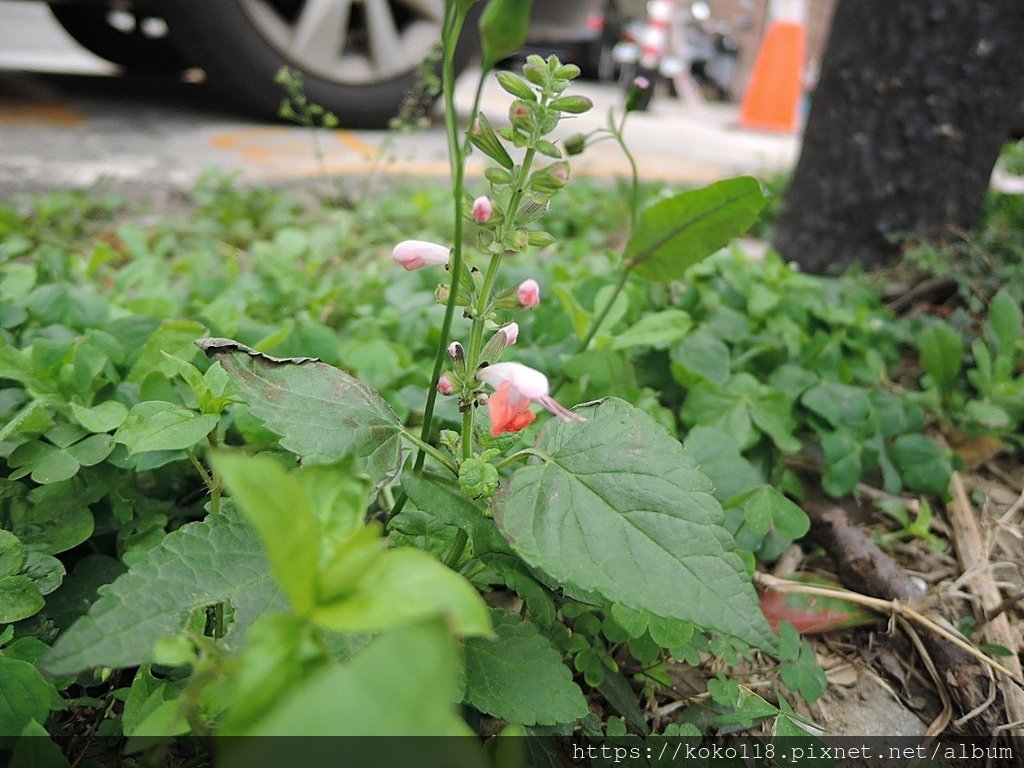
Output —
(674, 234)
(157, 425)
(404, 586)
(215, 560)
(618, 508)
(283, 514)
(24, 696)
(403, 684)
(519, 676)
(322, 413)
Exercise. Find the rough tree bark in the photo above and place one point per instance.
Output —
(913, 104)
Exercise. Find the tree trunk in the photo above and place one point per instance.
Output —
(912, 107)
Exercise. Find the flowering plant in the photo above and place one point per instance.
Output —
(600, 532)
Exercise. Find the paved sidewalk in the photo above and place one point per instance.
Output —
(67, 121)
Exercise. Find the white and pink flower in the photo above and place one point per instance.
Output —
(516, 387)
(416, 254)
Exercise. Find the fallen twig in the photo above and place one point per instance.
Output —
(973, 556)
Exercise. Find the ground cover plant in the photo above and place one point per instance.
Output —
(516, 488)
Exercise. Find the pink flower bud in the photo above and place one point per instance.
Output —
(414, 254)
(528, 294)
(511, 332)
(444, 385)
(482, 209)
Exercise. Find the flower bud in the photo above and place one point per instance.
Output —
(636, 96)
(415, 254)
(575, 144)
(528, 294)
(455, 351)
(574, 105)
(519, 113)
(482, 209)
(444, 385)
(511, 332)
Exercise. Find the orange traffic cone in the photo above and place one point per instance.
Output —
(772, 99)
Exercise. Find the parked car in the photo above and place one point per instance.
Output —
(358, 58)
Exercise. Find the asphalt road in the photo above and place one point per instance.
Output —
(70, 120)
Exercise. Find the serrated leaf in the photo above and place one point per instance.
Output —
(322, 413)
(619, 509)
(218, 559)
(674, 234)
(519, 676)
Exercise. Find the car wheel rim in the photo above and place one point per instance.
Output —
(355, 42)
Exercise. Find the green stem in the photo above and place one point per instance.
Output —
(453, 26)
(426, 448)
(467, 431)
(634, 172)
(599, 318)
(216, 487)
(458, 548)
(523, 454)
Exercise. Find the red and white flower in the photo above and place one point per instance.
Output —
(415, 254)
(516, 387)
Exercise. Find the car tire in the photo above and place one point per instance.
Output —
(134, 47)
(242, 44)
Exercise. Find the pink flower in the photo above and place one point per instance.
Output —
(414, 254)
(641, 82)
(444, 385)
(511, 332)
(516, 386)
(528, 294)
(482, 209)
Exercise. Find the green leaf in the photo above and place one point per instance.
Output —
(942, 354)
(674, 234)
(739, 406)
(619, 509)
(35, 749)
(216, 560)
(788, 519)
(24, 696)
(322, 414)
(503, 26)
(701, 354)
(283, 514)
(719, 457)
(1005, 322)
(46, 572)
(924, 464)
(175, 337)
(12, 554)
(405, 586)
(840, 405)
(443, 500)
(410, 674)
(104, 417)
(49, 531)
(156, 425)
(153, 707)
(657, 330)
(519, 676)
(842, 463)
(19, 599)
